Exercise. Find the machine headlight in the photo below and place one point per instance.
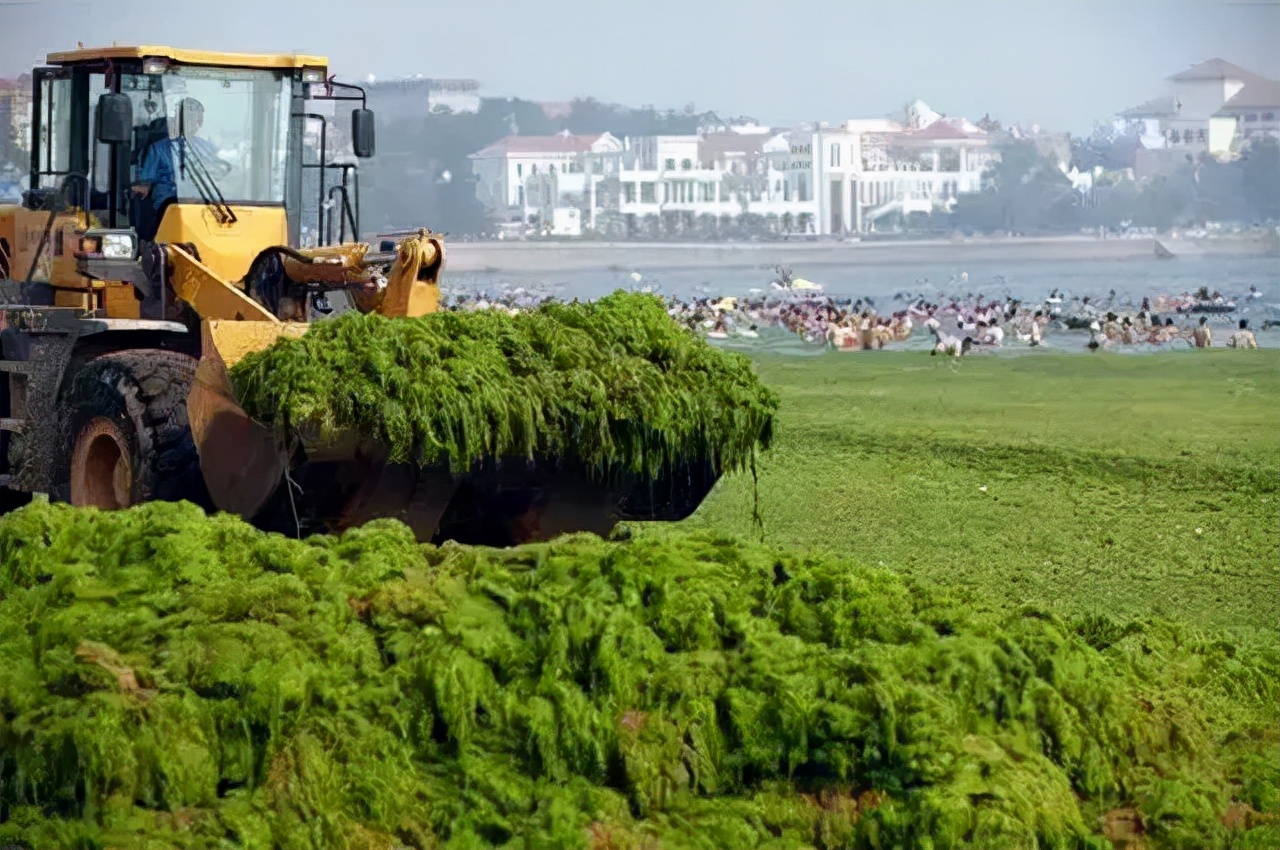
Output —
(117, 246)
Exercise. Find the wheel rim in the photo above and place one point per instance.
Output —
(101, 472)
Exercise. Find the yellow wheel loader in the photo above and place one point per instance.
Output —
(160, 241)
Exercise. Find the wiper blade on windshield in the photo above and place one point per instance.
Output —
(205, 184)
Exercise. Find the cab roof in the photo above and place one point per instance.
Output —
(182, 56)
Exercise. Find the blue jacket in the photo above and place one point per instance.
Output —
(161, 162)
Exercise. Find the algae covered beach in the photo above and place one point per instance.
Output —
(994, 602)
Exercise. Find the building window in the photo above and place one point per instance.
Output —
(669, 164)
(648, 194)
(597, 167)
(686, 164)
(519, 169)
(1251, 118)
(835, 156)
(519, 196)
(1200, 136)
(628, 193)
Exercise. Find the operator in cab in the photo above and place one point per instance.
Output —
(175, 158)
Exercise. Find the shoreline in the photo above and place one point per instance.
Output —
(538, 257)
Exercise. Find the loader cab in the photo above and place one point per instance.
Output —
(249, 157)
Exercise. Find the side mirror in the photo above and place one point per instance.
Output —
(362, 132)
(114, 119)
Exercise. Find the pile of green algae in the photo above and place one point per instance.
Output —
(172, 680)
(615, 384)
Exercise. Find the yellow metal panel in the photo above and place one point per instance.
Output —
(183, 56)
(233, 340)
(121, 302)
(22, 228)
(226, 249)
(63, 298)
(64, 241)
(413, 285)
(339, 264)
(211, 296)
(8, 240)
(242, 460)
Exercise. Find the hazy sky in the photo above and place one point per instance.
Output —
(1059, 63)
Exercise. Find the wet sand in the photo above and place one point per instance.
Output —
(564, 256)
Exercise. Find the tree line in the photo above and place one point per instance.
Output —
(1025, 192)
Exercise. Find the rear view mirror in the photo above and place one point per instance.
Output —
(114, 119)
(362, 132)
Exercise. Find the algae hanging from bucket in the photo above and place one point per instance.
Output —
(615, 383)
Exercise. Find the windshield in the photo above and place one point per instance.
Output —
(211, 134)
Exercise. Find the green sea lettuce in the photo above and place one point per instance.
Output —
(615, 383)
(172, 680)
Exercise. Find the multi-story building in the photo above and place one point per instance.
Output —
(1253, 112)
(866, 170)
(553, 181)
(828, 180)
(1208, 108)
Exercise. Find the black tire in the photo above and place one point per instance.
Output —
(124, 437)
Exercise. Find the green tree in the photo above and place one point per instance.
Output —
(1260, 177)
(1117, 205)
(1023, 191)
(588, 115)
(13, 152)
(1169, 200)
(705, 226)
(404, 182)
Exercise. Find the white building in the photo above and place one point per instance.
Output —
(843, 180)
(538, 179)
(1253, 112)
(665, 174)
(1207, 108)
(868, 170)
(675, 183)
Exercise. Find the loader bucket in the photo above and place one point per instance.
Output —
(243, 461)
(250, 470)
(313, 486)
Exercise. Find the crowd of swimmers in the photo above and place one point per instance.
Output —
(952, 326)
(955, 326)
